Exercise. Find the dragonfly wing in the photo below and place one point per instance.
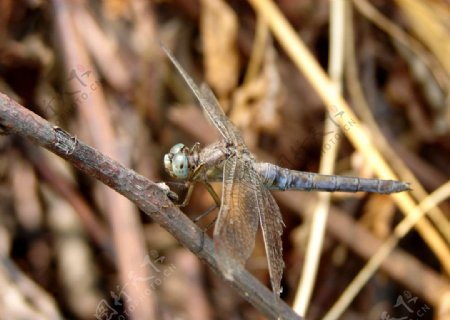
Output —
(272, 228)
(237, 223)
(217, 116)
(209, 104)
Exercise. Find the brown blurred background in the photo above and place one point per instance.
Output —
(72, 248)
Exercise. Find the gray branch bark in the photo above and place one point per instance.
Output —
(146, 194)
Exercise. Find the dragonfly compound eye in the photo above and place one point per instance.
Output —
(177, 148)
(168, 162)
(180, 166)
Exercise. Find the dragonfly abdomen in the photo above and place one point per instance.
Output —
(277, 178)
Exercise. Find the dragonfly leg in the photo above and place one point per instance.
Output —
(209, 225)
(213, 193)
(196, 147)
(204, 214)
(187, 198)
(211, 209)
(197, 172)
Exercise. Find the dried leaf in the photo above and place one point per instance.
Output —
(219, 33)
(256, 105)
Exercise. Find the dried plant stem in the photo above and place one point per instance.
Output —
(304, 60)
(362, 107)
(386, 249)
(328, 159)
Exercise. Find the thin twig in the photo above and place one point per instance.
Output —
(361, 105)
(385, 250)
(401, 267)
(327, 161)
(147, 195)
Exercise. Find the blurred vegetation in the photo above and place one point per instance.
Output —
(70, 248)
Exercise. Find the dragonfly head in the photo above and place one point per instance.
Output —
(176, 161)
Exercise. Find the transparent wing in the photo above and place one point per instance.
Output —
(218, 117)
(272, 228)
(245, 201)
(237, 223)
(210, 105)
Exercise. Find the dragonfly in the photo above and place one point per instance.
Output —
(246, 201)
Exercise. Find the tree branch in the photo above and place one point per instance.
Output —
(147, 195)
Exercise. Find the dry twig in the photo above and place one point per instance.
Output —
(147, 195)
